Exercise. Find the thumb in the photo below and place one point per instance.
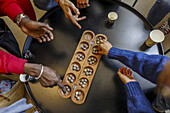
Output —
(75, 10)
(100, 52)
(119, 73)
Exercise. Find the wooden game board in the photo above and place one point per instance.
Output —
(79, 75)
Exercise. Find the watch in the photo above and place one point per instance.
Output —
(20, 17)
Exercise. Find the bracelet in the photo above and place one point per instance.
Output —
(42, 69)
(20, 17)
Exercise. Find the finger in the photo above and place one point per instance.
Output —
(78, 5)
(131, 76)
(87, 3)
(100, 45)
(81, 6)
(49, 33)
(61, 86)
(43, 39)
(58, 76)
(39, 40)
(46, 36)
(121, 69)
(124, 70)
(100, 52)
(120, 74)
(81, 18)
(101, 41)
(45, 25)
(75, 10)
(75, 22)
(131, 73)
(42, 83)
(83, 2)
(128, 72)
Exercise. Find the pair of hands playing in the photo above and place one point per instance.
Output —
(51, 78)
(124, 74)
(42, 31)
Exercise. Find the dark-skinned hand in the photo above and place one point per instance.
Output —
(38, 30)
(68, 7)
(83, 4)
(49, 78)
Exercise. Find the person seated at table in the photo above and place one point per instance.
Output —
(67, 7)
(10, 64)
(136, 100)
(22, 13)
(155, 68)
(48, 4)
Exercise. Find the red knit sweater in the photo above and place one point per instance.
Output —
(12, 8)
(10, 63)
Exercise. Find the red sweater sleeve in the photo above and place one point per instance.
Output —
(10, 63)
(12, 8)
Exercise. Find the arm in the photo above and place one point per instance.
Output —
(136, 100)
(10, 8)
(148, 66)
(15, 8)
(68, 7)
(12, 64)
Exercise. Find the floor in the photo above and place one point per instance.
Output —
(20, 36)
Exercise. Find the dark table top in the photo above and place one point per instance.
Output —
(106, 94)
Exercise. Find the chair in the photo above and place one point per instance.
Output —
(144, 6)
(130, 2)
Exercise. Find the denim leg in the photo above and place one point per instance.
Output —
(159, 10)
(161, 103)
(45, 4)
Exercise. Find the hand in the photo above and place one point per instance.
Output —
(68, 7)
(125, 75)
(83, 3)
(104, 47)
(40, 31)
(49, 76)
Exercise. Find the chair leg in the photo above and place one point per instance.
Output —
(167, 51)
(134, 3)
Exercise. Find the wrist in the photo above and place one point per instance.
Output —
(20, 19)
(108, 51)
(32, 69)
(132, 80)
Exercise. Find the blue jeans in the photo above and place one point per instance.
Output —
(159, 10)
(45, 4)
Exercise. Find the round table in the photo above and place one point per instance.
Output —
(106, 94)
